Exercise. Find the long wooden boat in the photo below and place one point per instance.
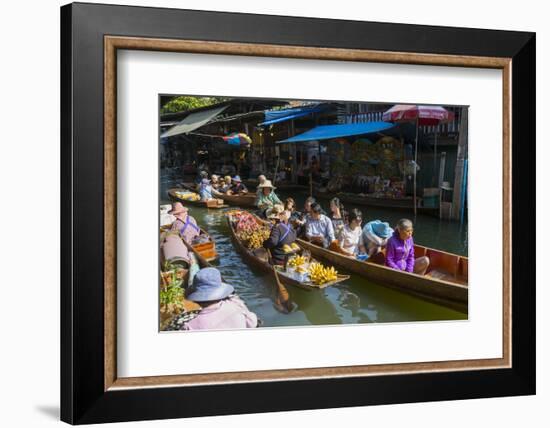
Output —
(445, 282)
(214, 204)
(247, 200)
(259, 259)
(207, 248)
(405, 203)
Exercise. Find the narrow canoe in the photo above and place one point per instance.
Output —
(259, 259)
(206, 249)
(246, 200)
(446, 281)
(405, 203)
(214, 204)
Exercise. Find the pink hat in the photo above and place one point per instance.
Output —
(177, 208)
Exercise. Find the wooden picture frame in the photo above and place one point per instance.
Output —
(91, 390)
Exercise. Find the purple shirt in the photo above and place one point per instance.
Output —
(226, 314)
(399, 253)
(187, 232)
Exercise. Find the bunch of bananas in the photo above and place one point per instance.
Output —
(296, 261)
(188, 196)
(320, 274)
(291, 248)
(254, 239)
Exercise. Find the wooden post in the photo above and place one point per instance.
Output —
(461, 156)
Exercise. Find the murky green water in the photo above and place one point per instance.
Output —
(354, 301)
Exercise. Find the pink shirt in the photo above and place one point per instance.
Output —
(226, 314)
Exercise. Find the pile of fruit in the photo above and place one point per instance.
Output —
(292, 248)
(320, 274)
(296, 261)
(248, 230)
(188, 196)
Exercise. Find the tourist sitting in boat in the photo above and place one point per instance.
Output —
(216, 183)
(318, 228)
(351, 237)
(237, 187)
(184, 224)
(282, 233)
(199, 178)
(290, 206)
(267, 198)
(225, 184)
(205, 190)
(337, 215)
(400, 250)
(375, 235)
(221, 308)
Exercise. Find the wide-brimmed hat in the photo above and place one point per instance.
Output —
(382, 229)
(266, 183)
(205, 181)
(237, 179)
(177, 208)
(274, 211)
(207, 286)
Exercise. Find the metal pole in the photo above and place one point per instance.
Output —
(435, 151)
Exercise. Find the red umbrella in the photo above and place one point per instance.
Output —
(422, 115)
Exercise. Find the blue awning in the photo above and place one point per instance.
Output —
(276, 116)
(327, 132)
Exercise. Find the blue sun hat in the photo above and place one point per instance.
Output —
(237, 179)
(379, 228)
(207, 286)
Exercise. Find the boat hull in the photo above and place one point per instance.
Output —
(213, 204)
(451, 294)
(264, 265)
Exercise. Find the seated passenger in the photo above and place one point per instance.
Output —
(205, 190)
(351, 237)
(221, 309)
(215, 181)
(237, 188)
(337, 215)
(400, 250)
(267, 198)
(282, 233)
(376, 235)
(225, 184)
(184, 223)
(319, 229)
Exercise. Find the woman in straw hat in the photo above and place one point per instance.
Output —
(267, 197)
(282, 233)
(221, 308)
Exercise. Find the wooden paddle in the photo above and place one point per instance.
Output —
(283, 302)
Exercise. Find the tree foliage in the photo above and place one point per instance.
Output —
(184, 103)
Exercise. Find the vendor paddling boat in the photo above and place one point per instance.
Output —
(445, 282)
(246, 200)
(192, 198)
(259, 258)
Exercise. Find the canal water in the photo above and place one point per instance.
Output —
(356, 300)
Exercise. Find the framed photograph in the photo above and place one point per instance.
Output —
(276, 213)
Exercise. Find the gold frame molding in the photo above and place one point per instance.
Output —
(113, 43)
